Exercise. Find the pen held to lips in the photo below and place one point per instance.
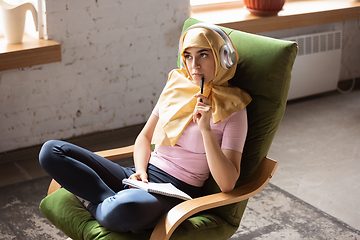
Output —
(202, 87)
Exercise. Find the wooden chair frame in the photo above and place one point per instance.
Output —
(182, 211)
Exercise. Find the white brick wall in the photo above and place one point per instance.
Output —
(115, 59)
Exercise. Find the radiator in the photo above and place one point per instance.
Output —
(317, 66)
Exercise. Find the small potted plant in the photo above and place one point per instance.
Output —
(264, 7)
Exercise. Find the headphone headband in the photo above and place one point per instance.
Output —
(227, 52)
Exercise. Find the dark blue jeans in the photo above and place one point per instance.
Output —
(98, 180)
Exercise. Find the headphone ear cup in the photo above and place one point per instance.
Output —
(225, 58)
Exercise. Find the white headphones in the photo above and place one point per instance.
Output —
(227, 52)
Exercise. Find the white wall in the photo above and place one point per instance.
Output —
(115, 59)
(350, 62)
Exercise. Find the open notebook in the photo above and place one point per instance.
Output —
(166, 189)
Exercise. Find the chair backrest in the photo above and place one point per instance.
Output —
(264, 71)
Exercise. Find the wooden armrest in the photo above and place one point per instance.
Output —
(117, 153)
(111, 154)
(54, 185)
(184, 210)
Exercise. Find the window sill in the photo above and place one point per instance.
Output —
(294, 14)
(31, 52)
(217, 6)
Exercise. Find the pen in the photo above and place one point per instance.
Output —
(202, 87)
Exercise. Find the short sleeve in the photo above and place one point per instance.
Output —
(235, 131)
(155, 111)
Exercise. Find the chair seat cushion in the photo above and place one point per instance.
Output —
(66, 212)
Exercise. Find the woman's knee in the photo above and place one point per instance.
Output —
(130, 210)
(49, 151)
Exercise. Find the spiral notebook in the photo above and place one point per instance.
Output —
(166, 189)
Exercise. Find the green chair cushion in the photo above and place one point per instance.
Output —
(65, 211)
(264, 71)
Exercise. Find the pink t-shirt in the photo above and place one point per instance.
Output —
(187, 159)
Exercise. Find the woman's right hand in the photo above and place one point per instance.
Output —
(140, 176)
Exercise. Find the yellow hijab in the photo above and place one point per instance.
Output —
(176, 102)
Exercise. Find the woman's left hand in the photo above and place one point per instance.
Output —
(202, 112)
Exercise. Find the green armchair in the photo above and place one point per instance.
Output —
(264, 71)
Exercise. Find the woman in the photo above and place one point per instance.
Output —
(193, 138)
